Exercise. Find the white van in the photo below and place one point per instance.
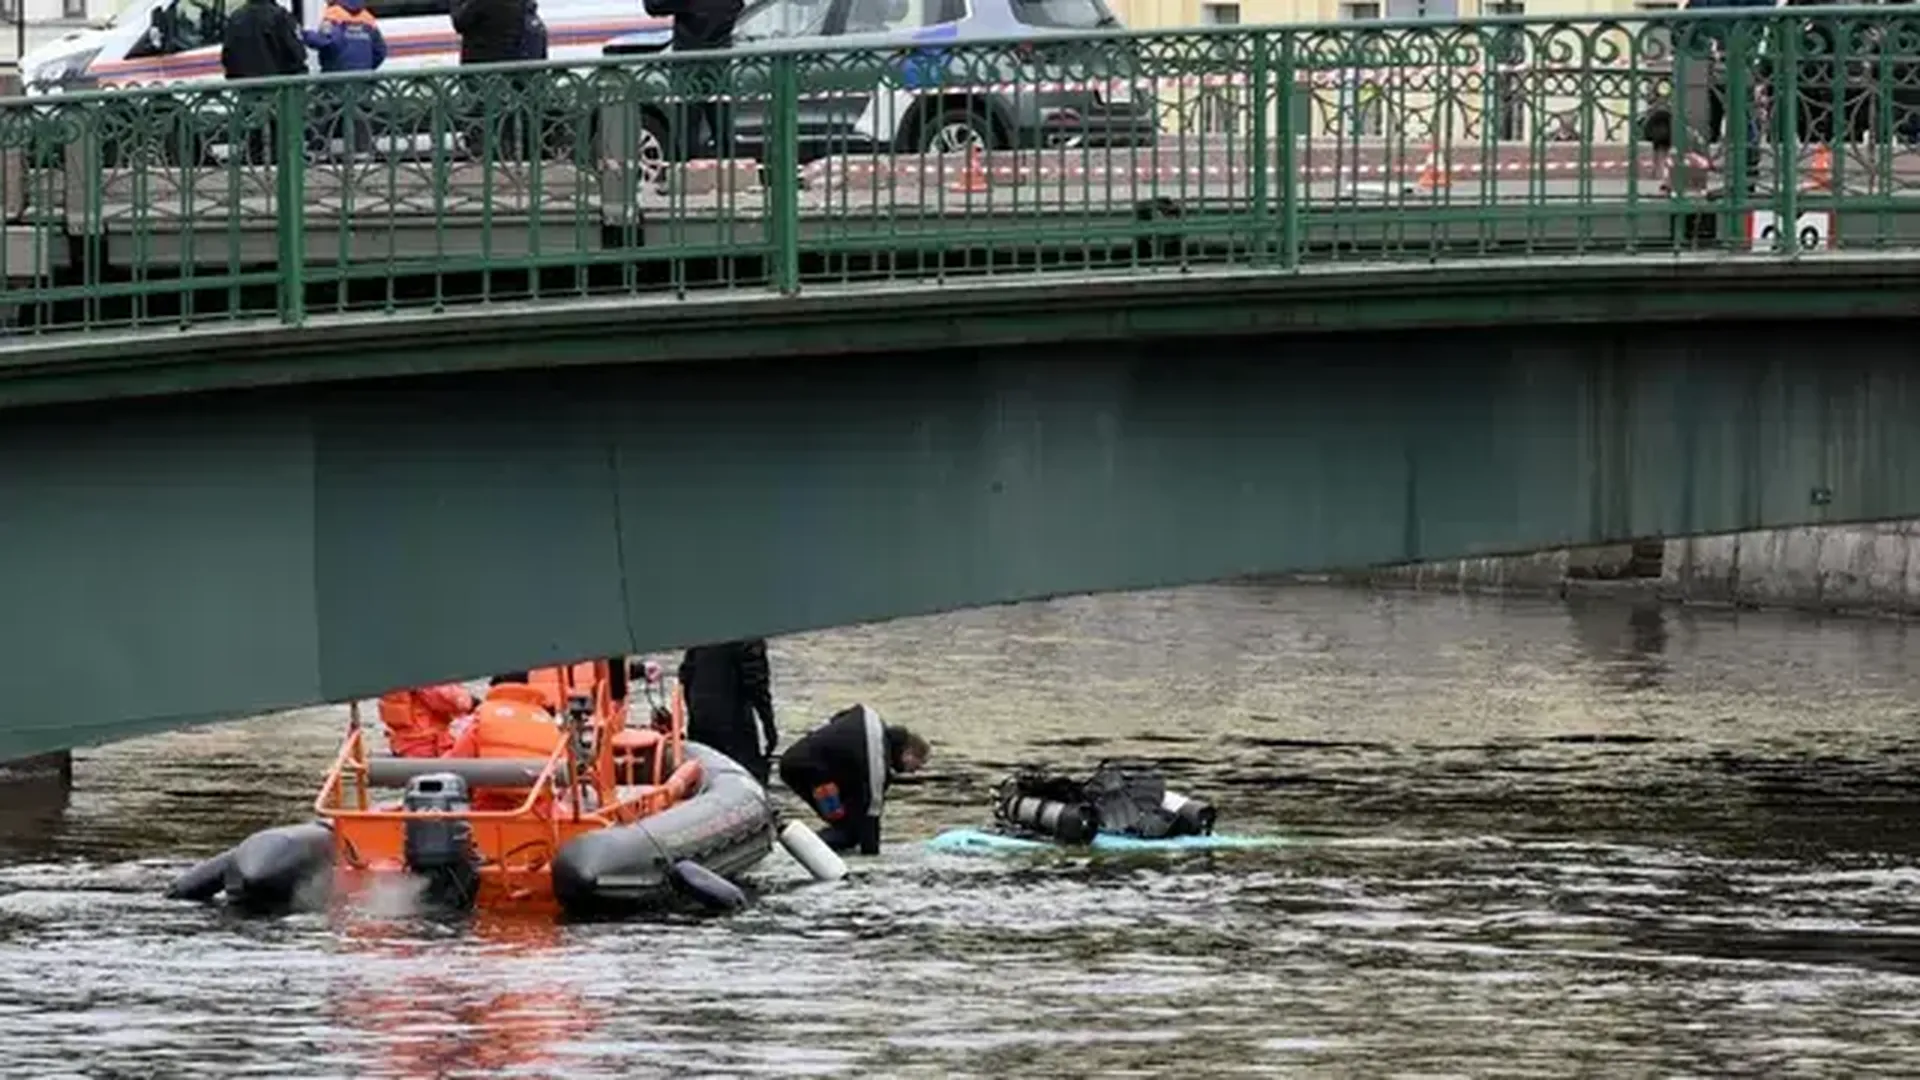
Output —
(160, 42)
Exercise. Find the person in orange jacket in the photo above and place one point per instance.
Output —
(516, 720)
(419, 721)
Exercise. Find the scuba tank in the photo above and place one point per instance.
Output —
(1127, 798)
(1071, 823)
(810, 851)
(1191, 817)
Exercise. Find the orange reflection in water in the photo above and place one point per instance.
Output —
(461, 1000)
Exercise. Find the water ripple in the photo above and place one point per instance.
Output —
(1522, 838)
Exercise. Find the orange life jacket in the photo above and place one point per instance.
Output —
(515, 721)
(502, 730)
(418, 719)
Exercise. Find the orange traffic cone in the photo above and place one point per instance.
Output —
(1434, 175)
(973, 178)
(1819, 174)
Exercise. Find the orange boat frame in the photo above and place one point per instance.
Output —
(621, 783)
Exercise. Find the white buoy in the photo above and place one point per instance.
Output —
(812, 852)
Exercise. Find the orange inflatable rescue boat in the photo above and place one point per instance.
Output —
(548, 797)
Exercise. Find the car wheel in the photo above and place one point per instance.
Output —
(650, 147)
(956, 131)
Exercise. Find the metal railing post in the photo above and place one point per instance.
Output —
(783, 173)
(1286, 84)
(1737, 55)
(1263, 159)
(1786, 98)
(290, 198)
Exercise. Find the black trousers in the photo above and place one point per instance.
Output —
(703, 115)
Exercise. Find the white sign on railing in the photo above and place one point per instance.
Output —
(1812, 229)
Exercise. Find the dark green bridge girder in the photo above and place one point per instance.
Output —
(178, 559)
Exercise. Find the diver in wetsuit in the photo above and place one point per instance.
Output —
(842, 770)
(727, 686)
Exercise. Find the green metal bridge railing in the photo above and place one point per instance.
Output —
(1131, 153)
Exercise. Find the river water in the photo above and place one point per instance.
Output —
(1523, 838)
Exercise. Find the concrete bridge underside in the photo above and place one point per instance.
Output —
(175, 560)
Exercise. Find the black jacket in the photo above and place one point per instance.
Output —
(698, 25)
(726, 685)
(854, 752)
(491, 31)
(262, 40)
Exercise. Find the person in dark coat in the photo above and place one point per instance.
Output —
(502, 32)
(726, 687)
(262, 40)
(533, 33)
(843, 769)
(703, 122)
(491, 31)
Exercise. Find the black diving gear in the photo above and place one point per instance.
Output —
(1129, 798)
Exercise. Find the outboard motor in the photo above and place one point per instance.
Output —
(442, 852)
(1072, 823)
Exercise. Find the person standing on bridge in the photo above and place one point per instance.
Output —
(499, 32)
(262, 40)
(491, 31)
(843, 769)
(703, 121)
(1708, 43)
(726, 686)
(348, 39)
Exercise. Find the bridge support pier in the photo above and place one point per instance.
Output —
(34, 794)
(40, 773)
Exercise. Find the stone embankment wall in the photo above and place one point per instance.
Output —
(1866, 569)
(1869, 569)
(1544, 571)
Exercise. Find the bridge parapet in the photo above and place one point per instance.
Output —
(1269, 148)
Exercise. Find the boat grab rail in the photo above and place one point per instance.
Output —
(353, 756)
(477, 772)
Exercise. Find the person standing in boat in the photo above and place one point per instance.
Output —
(843, 768)
(727, 686)
(419, 721)
(517, 719)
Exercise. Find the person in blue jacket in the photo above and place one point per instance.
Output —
(349, 39)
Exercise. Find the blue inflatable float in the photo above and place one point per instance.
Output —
(982, 842)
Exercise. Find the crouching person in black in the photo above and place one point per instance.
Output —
(842, 770)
